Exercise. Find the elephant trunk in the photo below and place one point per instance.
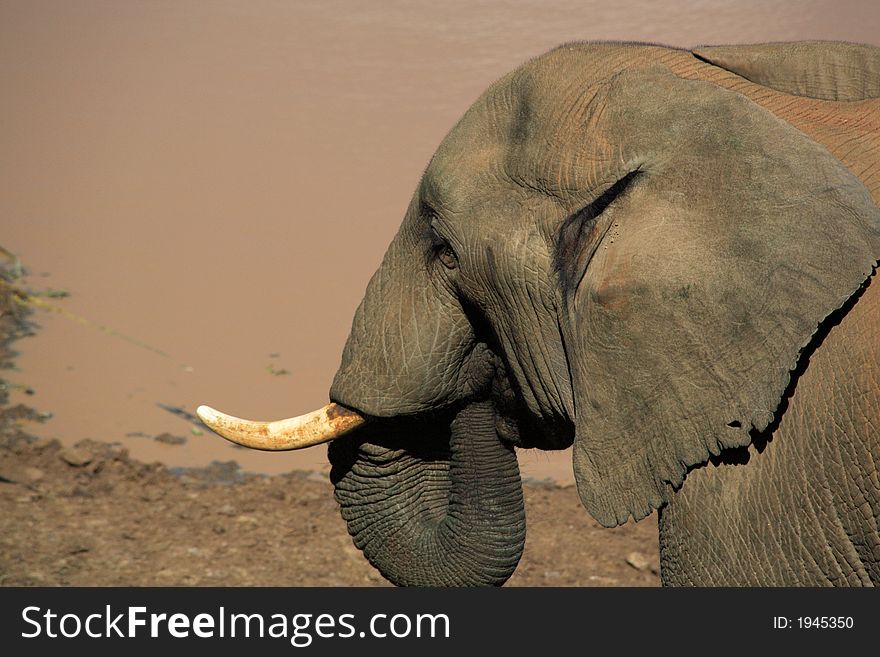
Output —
(445, 509)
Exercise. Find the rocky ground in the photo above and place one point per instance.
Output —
(91, 515)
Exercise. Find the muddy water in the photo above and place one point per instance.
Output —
(214, 183)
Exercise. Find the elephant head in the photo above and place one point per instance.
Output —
(603, 251)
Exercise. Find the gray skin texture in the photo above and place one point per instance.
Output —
(664, 258)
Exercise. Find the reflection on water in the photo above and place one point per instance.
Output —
(217, 181)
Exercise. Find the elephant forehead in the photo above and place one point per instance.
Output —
(461, 170)
(532, 128)
(470, 159)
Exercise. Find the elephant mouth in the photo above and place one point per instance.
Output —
(427, 435)
(518, 427)
(524, 431)
(515, 426)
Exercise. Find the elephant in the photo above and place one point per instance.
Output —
(663, 258)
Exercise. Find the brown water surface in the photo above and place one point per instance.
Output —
(215, 182)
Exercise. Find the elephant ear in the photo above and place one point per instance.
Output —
(703, 280)
(827, 70)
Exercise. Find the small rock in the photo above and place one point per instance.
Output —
(32, 474)
(152, 494)
(638, 560)
(277, 493)
(74, 457)
(41, 444)
(170, 439)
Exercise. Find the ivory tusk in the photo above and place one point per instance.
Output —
(321, 426)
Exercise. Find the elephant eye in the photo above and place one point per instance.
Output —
(443, 250)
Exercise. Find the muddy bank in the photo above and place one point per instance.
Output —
(90, 515)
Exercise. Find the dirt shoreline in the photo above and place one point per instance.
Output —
(90, 515)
